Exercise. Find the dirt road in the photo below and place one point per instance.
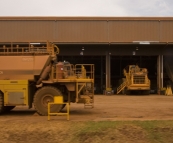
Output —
(114, 107)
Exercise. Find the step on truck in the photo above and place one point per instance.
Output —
(31, 76)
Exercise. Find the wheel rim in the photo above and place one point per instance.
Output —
(46, 99)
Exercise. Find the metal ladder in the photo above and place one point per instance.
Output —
(121, 87)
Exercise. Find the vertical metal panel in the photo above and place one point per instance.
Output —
(81, 31)
(160, 72)
(19, 31)
(108, 70)
(166, 31)
(129, 31)
(86, 31)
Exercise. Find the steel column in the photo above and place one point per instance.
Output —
(108, 67)
(101, 76)
(159, 73)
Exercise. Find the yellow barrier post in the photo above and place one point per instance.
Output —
(168, 91)
(59, 100)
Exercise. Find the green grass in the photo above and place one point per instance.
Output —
(123, 131)
(87, 131)
(158, 131)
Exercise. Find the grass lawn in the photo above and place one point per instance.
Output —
(123, 132)
(56, 131)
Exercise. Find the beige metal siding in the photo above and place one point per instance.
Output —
(81, 31)
(22, 31)
(85, 29)
(129, 31)
(166, 31)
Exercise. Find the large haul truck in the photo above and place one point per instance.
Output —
(32, 76)
(136, 79)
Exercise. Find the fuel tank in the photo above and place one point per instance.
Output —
(22, 67)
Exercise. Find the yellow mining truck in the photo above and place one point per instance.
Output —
(136, 79)
(32, 76)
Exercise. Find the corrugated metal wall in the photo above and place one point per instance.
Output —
(129, 31)
(85, 31)
(25, 31)
(81, 31)
(166, 31)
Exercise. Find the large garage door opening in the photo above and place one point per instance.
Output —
(119, 63)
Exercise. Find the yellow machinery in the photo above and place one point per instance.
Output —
(58, 100)
(32, 76)
(136, 79)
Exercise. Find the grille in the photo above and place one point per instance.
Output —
(139, 79)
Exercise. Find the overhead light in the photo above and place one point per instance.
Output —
(83, 49)
(145, 42)
(35, 43)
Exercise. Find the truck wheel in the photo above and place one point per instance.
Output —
(8, 108)
(1, 103)
(128, 92)
(43, 96)
(146, 92)
(63, 106)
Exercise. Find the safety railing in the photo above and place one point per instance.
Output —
(85, 71)
(16, 49)
(58, 100)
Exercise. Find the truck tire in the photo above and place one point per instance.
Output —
(8, 108)
(43, 96)
(63, 106)
(146, 92)
(1, 103)
(128, 92)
